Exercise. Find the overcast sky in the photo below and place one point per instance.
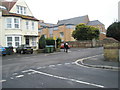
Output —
(51, 11)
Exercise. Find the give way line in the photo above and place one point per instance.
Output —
(64, 78)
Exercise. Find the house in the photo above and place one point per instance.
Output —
(18, 25)
(64, 28)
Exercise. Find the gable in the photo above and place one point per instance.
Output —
(23, 4)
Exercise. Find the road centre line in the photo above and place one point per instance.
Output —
(67, 63)
(19, 76)
(14, 73)
(59, 64)
(64, 78)
(51, 65)
(2, 81)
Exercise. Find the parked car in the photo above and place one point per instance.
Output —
(9, 50)
(22, 49)
(62, 46)
(2, 51)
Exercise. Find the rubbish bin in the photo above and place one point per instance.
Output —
(47, 49)
(51, 48)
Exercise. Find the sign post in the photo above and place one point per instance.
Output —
(55, 41)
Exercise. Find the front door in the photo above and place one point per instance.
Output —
(27, 41)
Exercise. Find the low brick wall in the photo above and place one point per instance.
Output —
(85, 44)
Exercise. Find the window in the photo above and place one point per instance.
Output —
(24, 10)
(9, 41)
(69, 26)
(61, 34)
(32, 25)
(13, 23)
(9, 22)
(14, 41)
(33, 41)
(21, 9)
(55, 28)
(17, 9)
(17, 41)
(27, 25)
(16, 23)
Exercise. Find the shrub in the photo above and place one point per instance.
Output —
(42, 42)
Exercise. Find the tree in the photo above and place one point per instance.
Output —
(42, 42)
(84, 32)
(114, 31)
(58, 41)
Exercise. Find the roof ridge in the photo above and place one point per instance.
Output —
(73, 18)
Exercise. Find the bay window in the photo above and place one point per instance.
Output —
(14, 41)
(33, 41)
(9, 41)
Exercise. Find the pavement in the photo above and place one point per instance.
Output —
(98, 61)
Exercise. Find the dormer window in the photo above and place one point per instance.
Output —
(21, 9)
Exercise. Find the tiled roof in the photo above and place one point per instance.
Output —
(75, 21)
(9, 5)
(95, 22)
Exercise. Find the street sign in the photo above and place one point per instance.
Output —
(54, 37)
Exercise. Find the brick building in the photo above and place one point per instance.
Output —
(64, 28)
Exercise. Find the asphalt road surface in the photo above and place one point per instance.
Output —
(55, 70)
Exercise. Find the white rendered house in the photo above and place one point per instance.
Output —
(17, 25)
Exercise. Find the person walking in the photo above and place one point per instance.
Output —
(66, 47)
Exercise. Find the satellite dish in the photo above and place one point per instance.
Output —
(2, 7)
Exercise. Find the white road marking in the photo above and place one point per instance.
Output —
(31, 73)
(39, 67)
(26, 71)
(67, 63)
(51, 65)
(14, 73)
(64, 78)
(2, 81)
(19, 76)
(73, 63)
(9, 59)
(11, 78)
(59, 64)
(81, 60)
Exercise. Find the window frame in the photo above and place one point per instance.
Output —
(13, 42)
(33, 41)
(13, 23)
(21, 10)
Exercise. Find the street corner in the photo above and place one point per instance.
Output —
(97, 61)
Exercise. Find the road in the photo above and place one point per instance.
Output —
(55, 70)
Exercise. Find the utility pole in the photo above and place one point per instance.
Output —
(119, 11)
